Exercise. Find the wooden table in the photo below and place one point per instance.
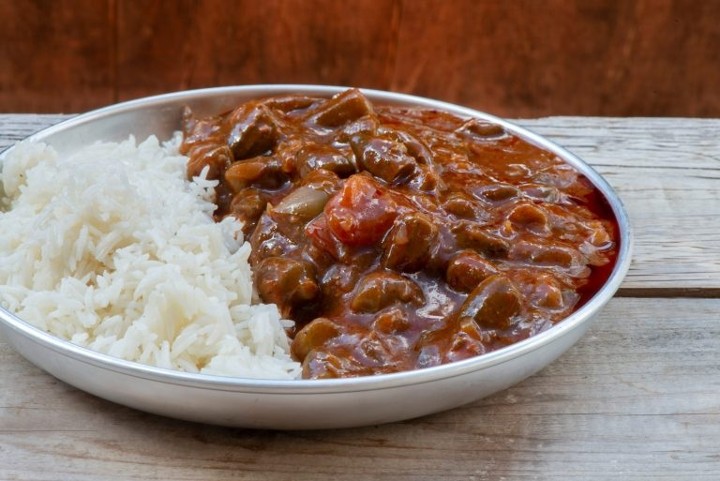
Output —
(637, 398)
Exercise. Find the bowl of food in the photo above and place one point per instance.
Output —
(300, 257)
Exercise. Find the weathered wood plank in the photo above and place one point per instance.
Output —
(667, 172)
(638, 398)
(15, 127)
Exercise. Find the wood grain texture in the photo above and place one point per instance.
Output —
(56, 55)
(520, 58)
(667, 171)
(558, 57)
(638, 398)
(211, 42)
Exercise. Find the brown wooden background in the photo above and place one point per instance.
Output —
(519, 58)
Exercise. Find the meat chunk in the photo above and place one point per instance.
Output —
(546, 255)
(286, 282)
(392, 321)
(247, 206)
(216, 158)
(408, 245)
(276, 235)
(530, 217)
(492, 304)
(460, 205)
(471, 235)
(200, 131)
(324, 180)
(253, 131)
(264, 172)
(288, 103)
(496, 193)
(480, 130)
(384, 158)
(467, 269)
(316, 333)
(313, 156)
(342, 108)
(363, 126)
(383, 288)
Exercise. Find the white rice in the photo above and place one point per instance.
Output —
(112, 249)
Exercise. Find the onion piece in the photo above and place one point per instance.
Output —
(304, 202)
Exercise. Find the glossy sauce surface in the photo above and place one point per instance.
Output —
(399, 238)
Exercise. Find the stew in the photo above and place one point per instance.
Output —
(399, 238)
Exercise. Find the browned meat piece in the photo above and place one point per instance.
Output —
(467, 269)
(471, 235)
(269, 239)
(415, 147)
(252, 131)
(530, 217)
(324, 365)
(198, 132)
(366, 126)
(216, 157)
(342, 108)
(323, 180)
(384, 158)
(247, 206)
(408, 245)
(497, 193)
(384, 288)
(461, 206)
(288, 103)
(312, 336)
(480, 130)
(493, 303)
(264, 172)
(318, 156)
(392, 321)
(286, 282)
(548, 255)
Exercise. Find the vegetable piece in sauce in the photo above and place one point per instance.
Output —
(361, 213)
(304, 202)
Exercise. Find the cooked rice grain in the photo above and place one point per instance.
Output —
(112, 249)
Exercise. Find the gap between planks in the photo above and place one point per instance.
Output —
(669, 292)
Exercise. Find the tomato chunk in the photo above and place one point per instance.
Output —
(361, 213)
